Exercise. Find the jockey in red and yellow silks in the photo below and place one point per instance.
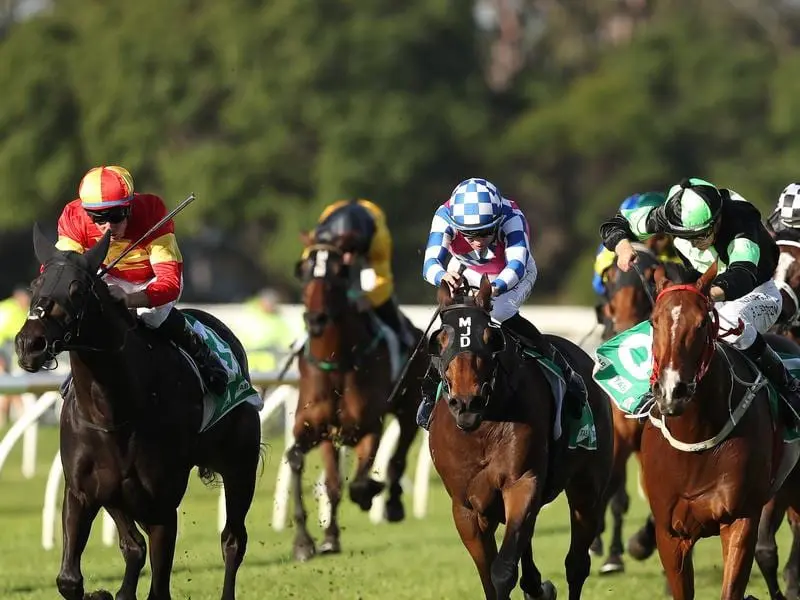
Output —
(150, 277)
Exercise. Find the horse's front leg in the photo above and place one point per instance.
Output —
(333, 486)
(133, 549)
(303, 542)
(766, 552)
(363, 488)
(738, 548)
(521, 505)
(77, 515)
(676, 558)
(162, 553)
(479, 543)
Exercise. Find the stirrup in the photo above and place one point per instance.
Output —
(424, 413)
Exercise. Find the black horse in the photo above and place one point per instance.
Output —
(129, 426)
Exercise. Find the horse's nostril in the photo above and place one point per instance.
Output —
(681, 390)
(37, 344)
(477, 403)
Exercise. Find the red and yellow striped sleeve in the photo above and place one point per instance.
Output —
(71, 230)
(167, 263)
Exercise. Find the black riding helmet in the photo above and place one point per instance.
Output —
(351, 221)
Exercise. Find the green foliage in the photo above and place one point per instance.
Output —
(269, 111)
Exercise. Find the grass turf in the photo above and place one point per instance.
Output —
(415, 560)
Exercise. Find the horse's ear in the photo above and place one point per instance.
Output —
(42, 247)
(443, 295)
(660, 278)
(97, 253)
(484, 297)
(433, 345)
(704, 283)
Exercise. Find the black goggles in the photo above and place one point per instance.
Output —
(109, 215)
(479, 233)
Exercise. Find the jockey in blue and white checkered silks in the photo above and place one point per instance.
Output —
(784, 222)
(487, 234)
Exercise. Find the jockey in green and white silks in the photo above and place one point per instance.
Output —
(715, 224)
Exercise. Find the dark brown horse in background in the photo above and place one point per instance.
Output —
(491, 441)
(787, 277)
(129, 428)
(345, 382)
(630, 301)
(716, 471)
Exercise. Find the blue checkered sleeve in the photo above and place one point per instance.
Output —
(514, 231)
(438, 243)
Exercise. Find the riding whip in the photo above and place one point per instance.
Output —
(461, 269)
(149, 232)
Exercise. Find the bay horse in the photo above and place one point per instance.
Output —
(710, 451)
(491, 441)
(129, 427)
(630, 301)
(345, 382)
(785, 502)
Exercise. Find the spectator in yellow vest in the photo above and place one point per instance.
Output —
(13, 312)
(267, 336)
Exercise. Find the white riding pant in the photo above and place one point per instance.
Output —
(759, 310)
(507, 304)
(152, 316)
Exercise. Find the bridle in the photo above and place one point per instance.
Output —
(713, 333)
(61, 334)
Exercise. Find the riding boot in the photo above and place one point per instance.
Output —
(389, 314)
(773, 369)
(430, 388)
(213, 372)
(576, 388)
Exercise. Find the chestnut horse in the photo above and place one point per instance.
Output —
(710, 450)
(129, 427)
(630, 301)
(345, 382)
(491, 441)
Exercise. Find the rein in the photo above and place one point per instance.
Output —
(713, 333)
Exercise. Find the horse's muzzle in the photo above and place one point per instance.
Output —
(31, 351)
(672, 403)
(467, 411)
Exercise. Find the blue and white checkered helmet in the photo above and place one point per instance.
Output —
(475, 204)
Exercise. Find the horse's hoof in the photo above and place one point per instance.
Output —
(612, 565)
(640, 546)
(331, 546)
(363, 491)
(304, 551)
(98, 595)
(596, 549)
(548, 592)
(395, 512)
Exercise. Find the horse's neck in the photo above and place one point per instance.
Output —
(107, 373)
(352, 332)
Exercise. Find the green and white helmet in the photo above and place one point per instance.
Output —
(693, 207)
